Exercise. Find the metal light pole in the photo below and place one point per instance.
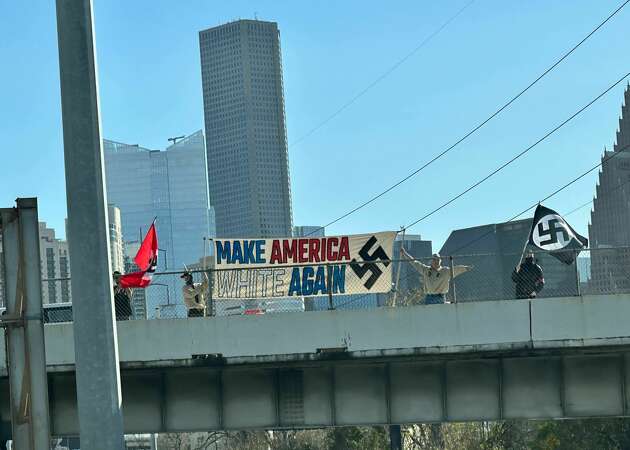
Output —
(95, 340)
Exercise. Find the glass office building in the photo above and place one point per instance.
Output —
(169, 185)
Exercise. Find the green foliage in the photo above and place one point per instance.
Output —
(604, 434)
(357, 438)
(591, 434)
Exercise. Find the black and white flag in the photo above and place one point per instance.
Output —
(551, 233)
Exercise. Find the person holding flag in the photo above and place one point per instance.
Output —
(146, 259)
(552, 234)
(195, 294)
(122, 298)
(528, 278)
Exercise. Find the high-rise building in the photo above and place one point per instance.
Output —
(55, 260)
(609, 231)
(170, 186)
(246, 139)
(494, 250)
(308, 231)
(55, 266)
(115, 239)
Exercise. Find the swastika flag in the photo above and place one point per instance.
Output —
(551, 233)
(146, 259)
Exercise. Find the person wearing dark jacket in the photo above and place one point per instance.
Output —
(122, 299)
(528, 278)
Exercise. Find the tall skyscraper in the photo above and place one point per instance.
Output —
(170, 185)
(609, 231)
(246, 136)
(494, 250)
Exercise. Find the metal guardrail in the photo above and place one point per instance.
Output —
(490, 277)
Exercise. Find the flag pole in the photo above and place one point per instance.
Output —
(402, 245)
(520, 261)
(203, 265)
(212, 311)
(518, 266)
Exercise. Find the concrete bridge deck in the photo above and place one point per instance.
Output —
(560, 357)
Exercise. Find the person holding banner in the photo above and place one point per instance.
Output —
(195, 294)
(437, 278)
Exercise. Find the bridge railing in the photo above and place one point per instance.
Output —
(477, 277)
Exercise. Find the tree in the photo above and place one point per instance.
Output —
(357, 438)
(605, 434)
(190, 441)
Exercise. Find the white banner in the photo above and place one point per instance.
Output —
(309, 266)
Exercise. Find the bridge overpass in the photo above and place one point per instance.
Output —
(517, 359)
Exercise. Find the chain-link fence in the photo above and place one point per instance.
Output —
(401, 282)
(506, 276)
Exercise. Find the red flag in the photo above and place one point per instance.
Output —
(148, 251)
(146, 259)
(137, 279)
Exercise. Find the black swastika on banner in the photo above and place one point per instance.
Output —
(361, 269)
(555, 229)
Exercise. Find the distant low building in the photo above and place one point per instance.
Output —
(494, 250)
(308, 231)
(55, 266)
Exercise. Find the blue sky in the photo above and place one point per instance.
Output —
(150, 88)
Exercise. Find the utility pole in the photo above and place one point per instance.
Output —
(95, 339)
(24, 329)
(395, 438)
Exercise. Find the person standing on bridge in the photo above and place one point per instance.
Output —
(437, 278)
(195, 294)
(528, 278)
(122, 298)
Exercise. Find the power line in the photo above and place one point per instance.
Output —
(557, 191)
(396, 65)
(519, 155)
(554, 193)
(601, 195)
(477, 127)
